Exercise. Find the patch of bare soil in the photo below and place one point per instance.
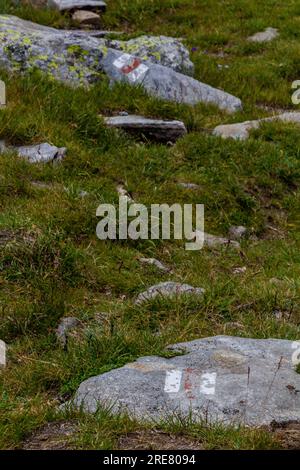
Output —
(288, 436)
(52, 436)
(156, 440)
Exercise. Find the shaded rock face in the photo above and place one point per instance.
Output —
(80, 59)
(86, 18)
(167, 290)
(221, 379)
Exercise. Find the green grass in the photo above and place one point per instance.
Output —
(56, 266)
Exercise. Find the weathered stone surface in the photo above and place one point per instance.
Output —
(63, 5)
(156, 129)
(41, 153)
(162, 50)
(81, 59)
(237, 232)
(167, 290)
(241, 130)
(220, 379)
(85, 17)
(155, 262)
(66, 325)
(264, 36)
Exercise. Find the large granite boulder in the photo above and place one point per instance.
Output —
(82, 59)
(220, 379)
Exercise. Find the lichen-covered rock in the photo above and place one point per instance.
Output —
(81, 59)
(264, 36)
(161, 50)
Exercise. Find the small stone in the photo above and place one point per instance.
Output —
(156, 263)
(241, 130)
(237, 232)
(122, 191)
(83, 194)
(155, 129)
(66, 325)
(41, 153)
(168, 290)
(86, 18)
(264, 36)
(240, 270)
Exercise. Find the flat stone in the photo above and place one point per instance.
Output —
(241, 130)
(237, 232)
(81, 59)
(2, 94)
(264, 36)
(220, 379)
(86, 17)
(66, 325)
(63, 5)
(168, 290)
(156, 263)
(155, 129)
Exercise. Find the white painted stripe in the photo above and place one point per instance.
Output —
(138, 73)
(208, 383)
(173, 381)
(124, 59)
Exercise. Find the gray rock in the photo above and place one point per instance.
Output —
(66, 325)
(156, 263)
(213, 241)
(168, 290)
(63, 5)
(241, 130)
(81, 59)
(41, 153)
(264, 36)
(155, 129)
(237, 232)
(221, 379)
(86, 18)
(162, 50)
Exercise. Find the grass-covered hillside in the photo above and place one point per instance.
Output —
(52, 264)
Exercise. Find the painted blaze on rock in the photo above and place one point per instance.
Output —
(222, 379)
(82, 59)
